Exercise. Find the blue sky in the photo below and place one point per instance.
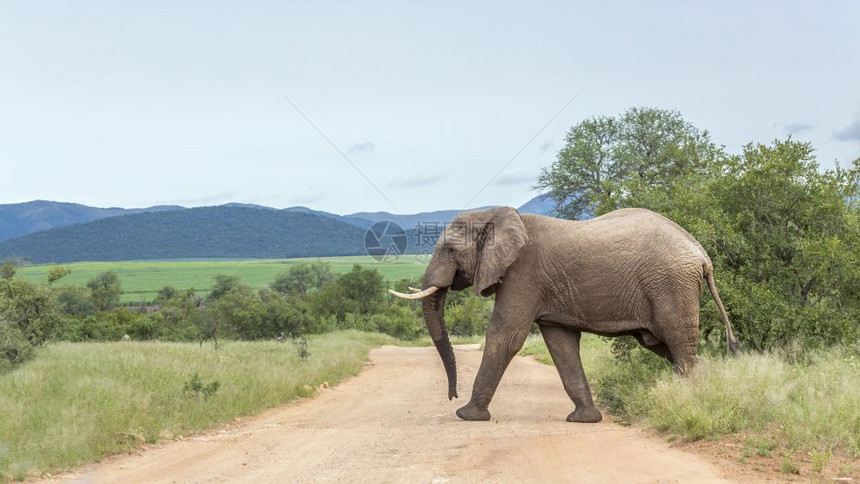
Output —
(141, 103)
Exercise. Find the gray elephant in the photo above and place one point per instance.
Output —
(629, 272)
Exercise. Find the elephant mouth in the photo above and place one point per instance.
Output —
(460, 281)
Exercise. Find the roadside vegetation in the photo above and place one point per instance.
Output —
(776, 404)
(305, 297)
(81, 401)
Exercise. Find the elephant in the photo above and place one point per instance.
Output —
(628, 272)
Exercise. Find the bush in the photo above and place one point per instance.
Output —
(785, 240)
(303, 277)
(243, 314)
(397, 321)
(28, 315)
(632, 373)
(468, 317)
(75, 300)
(15, 349)
(105, 289)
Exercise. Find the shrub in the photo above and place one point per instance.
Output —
(397, 321)
(15, 349)
(105, 289)
(28, 315)
(628, 377)
(75, 300)
(197, 387)
(469, 317)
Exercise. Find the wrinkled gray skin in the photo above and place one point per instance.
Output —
(630, 272)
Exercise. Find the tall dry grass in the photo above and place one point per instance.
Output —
(797, 400)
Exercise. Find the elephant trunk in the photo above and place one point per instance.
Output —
(434, 316)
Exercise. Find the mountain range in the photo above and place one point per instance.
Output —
(44, 231)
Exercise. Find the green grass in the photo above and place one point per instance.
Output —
(141, 280)
(810, 406)
(78, 402)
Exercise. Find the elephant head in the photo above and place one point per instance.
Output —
(475, 250)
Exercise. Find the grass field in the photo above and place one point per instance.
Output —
(142, 279)
(78, 402)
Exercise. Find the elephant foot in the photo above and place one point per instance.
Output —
(473, 412)
(585, 415)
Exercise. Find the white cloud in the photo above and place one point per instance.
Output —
(849, 133)
(363, 147)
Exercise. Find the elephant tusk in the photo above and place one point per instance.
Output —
(418, 295)
(414, 289)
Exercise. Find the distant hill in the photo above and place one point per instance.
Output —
(26, 218)
(45, 231)
(410, 221)
(358, 222)
(208, 232)
(31, 217)
(542, 205)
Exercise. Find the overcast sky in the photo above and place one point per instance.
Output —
(135, 104)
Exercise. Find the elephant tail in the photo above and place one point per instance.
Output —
(734, 346)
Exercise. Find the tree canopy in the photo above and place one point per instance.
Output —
(783, 233)
(605, 159)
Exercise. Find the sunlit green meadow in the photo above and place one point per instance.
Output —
(141, 280)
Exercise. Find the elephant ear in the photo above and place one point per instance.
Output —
(498, 243)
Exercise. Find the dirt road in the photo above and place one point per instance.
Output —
(393, 423)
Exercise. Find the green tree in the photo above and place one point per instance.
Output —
(470, 316)
(7, 270)
(785, 239)
(180, 316)
(166, 294)
(606, 159)
(360, 291)
(223, 285)
(28, 316)
(784, 234)
(75, 300)
(302, 277)
(330, 301)
(105, 289)
(55, 273)
(398, 321)
(279, 315)
(365, 287)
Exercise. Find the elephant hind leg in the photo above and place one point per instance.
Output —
(676, 323)
(684, 357)
(681, 347)
(563, 346)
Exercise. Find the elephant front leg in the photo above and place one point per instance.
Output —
(563, 346)
(504, 340)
